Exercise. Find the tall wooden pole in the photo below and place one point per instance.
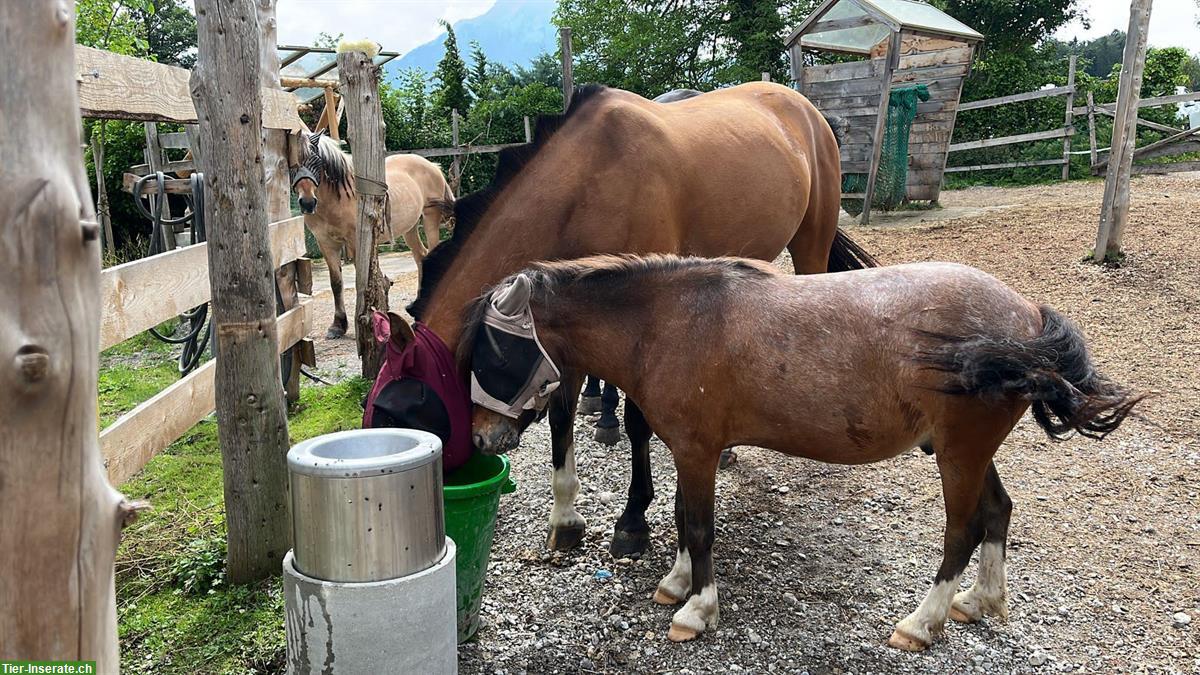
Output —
(275, 174)
(455, 164)
(1070, 118)
(364, 116)
(1114, 211)
(568, 77)
(890, 61)
(62, 519)
(102, 212)
(251, 412)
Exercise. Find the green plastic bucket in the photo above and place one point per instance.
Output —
(472, 498)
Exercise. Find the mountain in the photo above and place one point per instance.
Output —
(512, 32)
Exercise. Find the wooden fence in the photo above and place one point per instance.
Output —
(144, 293)
(1178, 142)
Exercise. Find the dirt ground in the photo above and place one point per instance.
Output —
(815, 563)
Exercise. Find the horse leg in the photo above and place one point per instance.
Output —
(567, 527)
(632, 534)
(962, 468)
(431, 221)
(333, 258)
(988, 596)
(415, 247)
(697, 471)
(590, 403)
(676, 585)
(608, 427)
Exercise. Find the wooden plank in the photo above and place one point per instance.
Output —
(930, 74)
(175, 140)
(1178, 148)
(167, 167)
(113, 86)
(1091, 113)
(1016, 98)
(842, 88)
(140, 434)
(855, 167)
(1158, 145)
(851, 70)
(173, 186)
(835, 103)
(1176, 167)
(935, 106)
(1005, 165)
(143, 293)
(1187, 97)
(958, 54)
(567, 64)
(456, 152)
(1009, 140)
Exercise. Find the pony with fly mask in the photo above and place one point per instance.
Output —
(846, 368)
(752, 170)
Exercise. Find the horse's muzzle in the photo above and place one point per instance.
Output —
(497, 442)
(308, 206)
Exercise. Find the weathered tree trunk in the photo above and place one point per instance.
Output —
(275, 172)
(360, 89)
(251, 412)
(61, 519)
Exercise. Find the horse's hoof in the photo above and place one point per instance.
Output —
(334, 333)
(608, 435)
(961, 616)
(728, 458)
(680, 633)
(908, 643)
(589, 405)
(629, 544)
(664, 598)
(565, 537)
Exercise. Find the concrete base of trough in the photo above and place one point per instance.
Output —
(404, 625)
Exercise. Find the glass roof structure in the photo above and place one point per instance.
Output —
(313, 63)
(855, 26)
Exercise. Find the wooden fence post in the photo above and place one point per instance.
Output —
(1091, 113)
(885, 92)
(455, 163)
(61, 519)
(102, 213)
(251, 411)
(766, 77)
(568, 77)
(1070, 117)
(1114, 211)
(360, 90)
(528, 131)
(278, 185)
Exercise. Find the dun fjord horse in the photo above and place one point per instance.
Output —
(845, 368)
(324, 182)
(748, 170)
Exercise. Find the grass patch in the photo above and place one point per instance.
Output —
(177, 613)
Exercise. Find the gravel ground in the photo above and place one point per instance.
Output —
(815, 563)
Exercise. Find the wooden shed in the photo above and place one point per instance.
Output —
(900, 42)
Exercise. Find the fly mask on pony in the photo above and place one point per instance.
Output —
(310, 170)
(510, 370)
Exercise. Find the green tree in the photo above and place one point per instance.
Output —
(451, 77)
(480, 75)
(755, 30)
(1013, 26)
(170, 31)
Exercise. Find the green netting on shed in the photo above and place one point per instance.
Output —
(893, 157)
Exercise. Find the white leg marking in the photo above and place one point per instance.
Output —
(700, 612)
(988, 596)
(566, 488)
(678, 581)
(923, 624)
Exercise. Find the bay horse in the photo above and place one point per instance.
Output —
(845, 368)
(323, 179)
(747, 170)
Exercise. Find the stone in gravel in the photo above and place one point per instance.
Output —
(607, 497)
(783, 489)
(586, 664)
(1037, 659)
(615, 620)
(791, 598)
(1181, 619)
(753, 636)
(837, 521)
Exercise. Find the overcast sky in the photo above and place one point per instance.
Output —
(401, 25)
(1172, 22)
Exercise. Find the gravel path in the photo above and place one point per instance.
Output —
(815, 563)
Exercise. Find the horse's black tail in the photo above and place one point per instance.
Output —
(1053, 370)
(846, 254)
(838, 126)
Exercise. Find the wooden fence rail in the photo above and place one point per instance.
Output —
(143, 293)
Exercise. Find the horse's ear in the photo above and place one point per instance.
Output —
(401, 332)
(511, 300)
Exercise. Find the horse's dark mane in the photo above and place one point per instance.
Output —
(469, 210)
(612, 276)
